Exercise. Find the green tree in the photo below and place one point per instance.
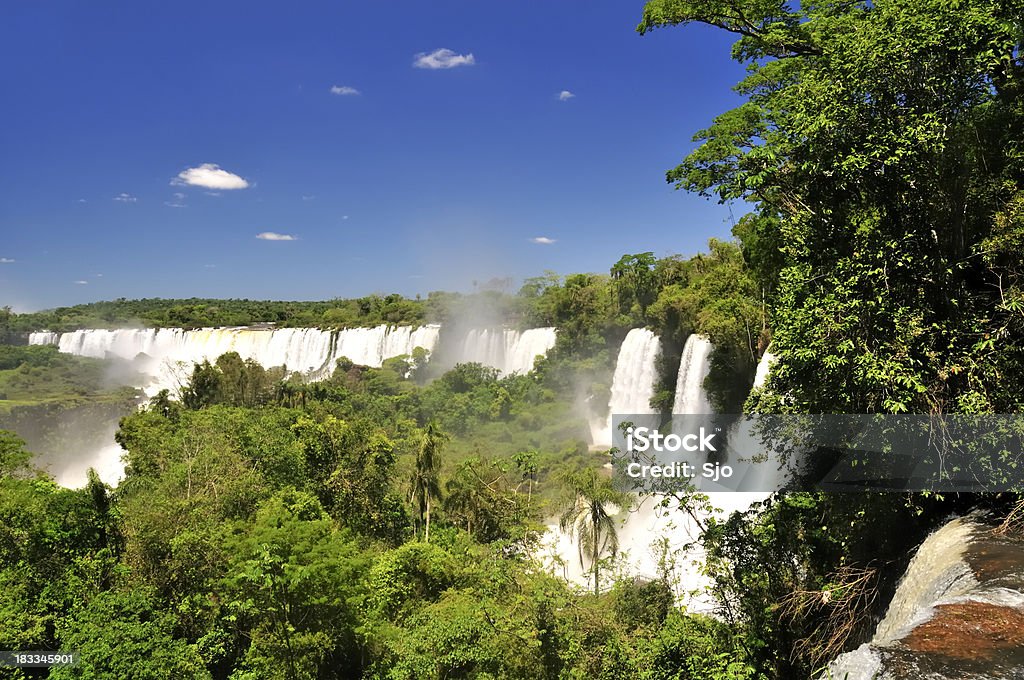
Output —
(587, 519)
(204, 388)
(288, 590)
(426, 488)
(14, 459)
(880, 144)
(126, 635)
(635, 281)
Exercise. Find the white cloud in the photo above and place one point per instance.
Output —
(125, 198)
(177, 202)
(308, 197)
(442, 58)
(344, 90)
(82, 200)
(7, 260)
(274, 236)
(81, 282)
(542, 240)
(209, 176)
(565, 96)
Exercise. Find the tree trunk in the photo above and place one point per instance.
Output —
(595, 519)
(426, 535)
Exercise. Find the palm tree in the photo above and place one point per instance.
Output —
(587, 521)
(425, 487)
(465, 495)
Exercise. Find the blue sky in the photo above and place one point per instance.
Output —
(125, 124)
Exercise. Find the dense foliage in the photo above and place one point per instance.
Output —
(204, 313)
(880, 145)
(288, 539)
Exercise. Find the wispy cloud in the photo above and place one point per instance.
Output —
(542, 240)
(177, 202)
(565, 96)
(125, 198)
(81, 200)
(344, 90)
(274, 236)
(7, 260)
(442, 58)
(209, 176)
(308, 197)
(81, 282)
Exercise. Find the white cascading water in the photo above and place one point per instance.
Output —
(691, 398)
(937, 574)
(106, 460)
(652, 541)
(371, 346)
(527, 346)
(650, 533)
(508, 350)
(43, 338)
(632, 382)
(169, 353)
(764, 366)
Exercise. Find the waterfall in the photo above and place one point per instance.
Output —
(166, 355)
(635, 372)
(371, 346)
(957, 607)
(43, 338)
(691, 398)
(508, 350)
(937, 572)
(632, 382)
(763, 368)
(648, 533)
(651, 530)
(525, 347)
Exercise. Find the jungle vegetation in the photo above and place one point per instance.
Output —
(280, 532)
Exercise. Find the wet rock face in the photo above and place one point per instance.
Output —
(997, 560)
(967, 640)
(975, 631)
